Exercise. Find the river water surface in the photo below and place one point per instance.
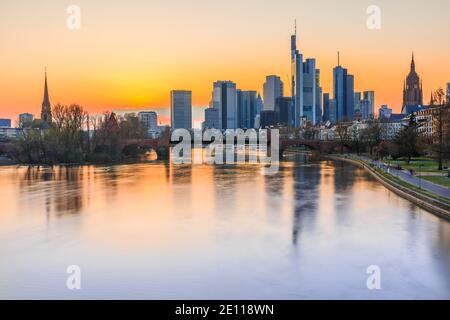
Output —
(157, 231)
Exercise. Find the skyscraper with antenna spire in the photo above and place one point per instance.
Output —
(296, 79)
(305, 86)
(46, 110)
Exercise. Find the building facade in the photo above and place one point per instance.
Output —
(211, 119)
(309, 91)
(272, 90)
(247, 108)
(25, 119)
(284, 109)
(448, 91)
(384, 112)
(181, 109)
(225, 100)
(368, 105)
(319, 102)
(149, 119)
(343, 85)
(5, 123)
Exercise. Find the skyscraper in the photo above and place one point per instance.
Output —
(225, 100)
(309, 91)
(318, 98)
(284, 109)
(412, 88)
(273, 89)
(296, 80)
(350, 97)
(211, 119)
(357, 113)
(46, 110)
(326, 107)
(247, 108)
(181, 109)
(343, 84)
(369, 104)
(448, 91)
(332, 107)
(340, 91)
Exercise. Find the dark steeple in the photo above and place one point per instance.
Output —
(46, 111)
(412, 88)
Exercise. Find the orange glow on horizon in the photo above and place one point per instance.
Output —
(130, 56)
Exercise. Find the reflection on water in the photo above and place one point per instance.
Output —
(174, 232)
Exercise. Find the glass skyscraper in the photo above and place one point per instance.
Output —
(343, 85)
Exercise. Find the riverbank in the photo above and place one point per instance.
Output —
(433, 203)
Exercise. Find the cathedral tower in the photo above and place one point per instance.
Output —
(412, 88)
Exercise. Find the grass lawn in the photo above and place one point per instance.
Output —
(441, 180)
(419, 164)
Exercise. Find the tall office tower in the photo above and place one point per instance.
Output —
(181, 109)
(46, 111)
(357, 105)
(369, 96)
(326, 107)
(273, 89)
(448, 91)
(247, 108)
(225, 100)
(309, 91)
(343, 93)
(296, 80)
(284, 109)
(211, 119)
(350, 97)
(340, 91)
(412, 89)
(318, 98)
(332, 107)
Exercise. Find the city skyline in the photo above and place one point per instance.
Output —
(111, 79)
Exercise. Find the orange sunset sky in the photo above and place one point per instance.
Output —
(130, 54)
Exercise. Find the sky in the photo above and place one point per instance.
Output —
(130, 54)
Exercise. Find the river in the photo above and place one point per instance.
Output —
(159, 231)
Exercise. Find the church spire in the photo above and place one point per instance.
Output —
(413, 63)
(46, 101)
(46, 111)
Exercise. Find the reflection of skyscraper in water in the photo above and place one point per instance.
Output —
(306, 184)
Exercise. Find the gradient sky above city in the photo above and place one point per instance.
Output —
(130, 54)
